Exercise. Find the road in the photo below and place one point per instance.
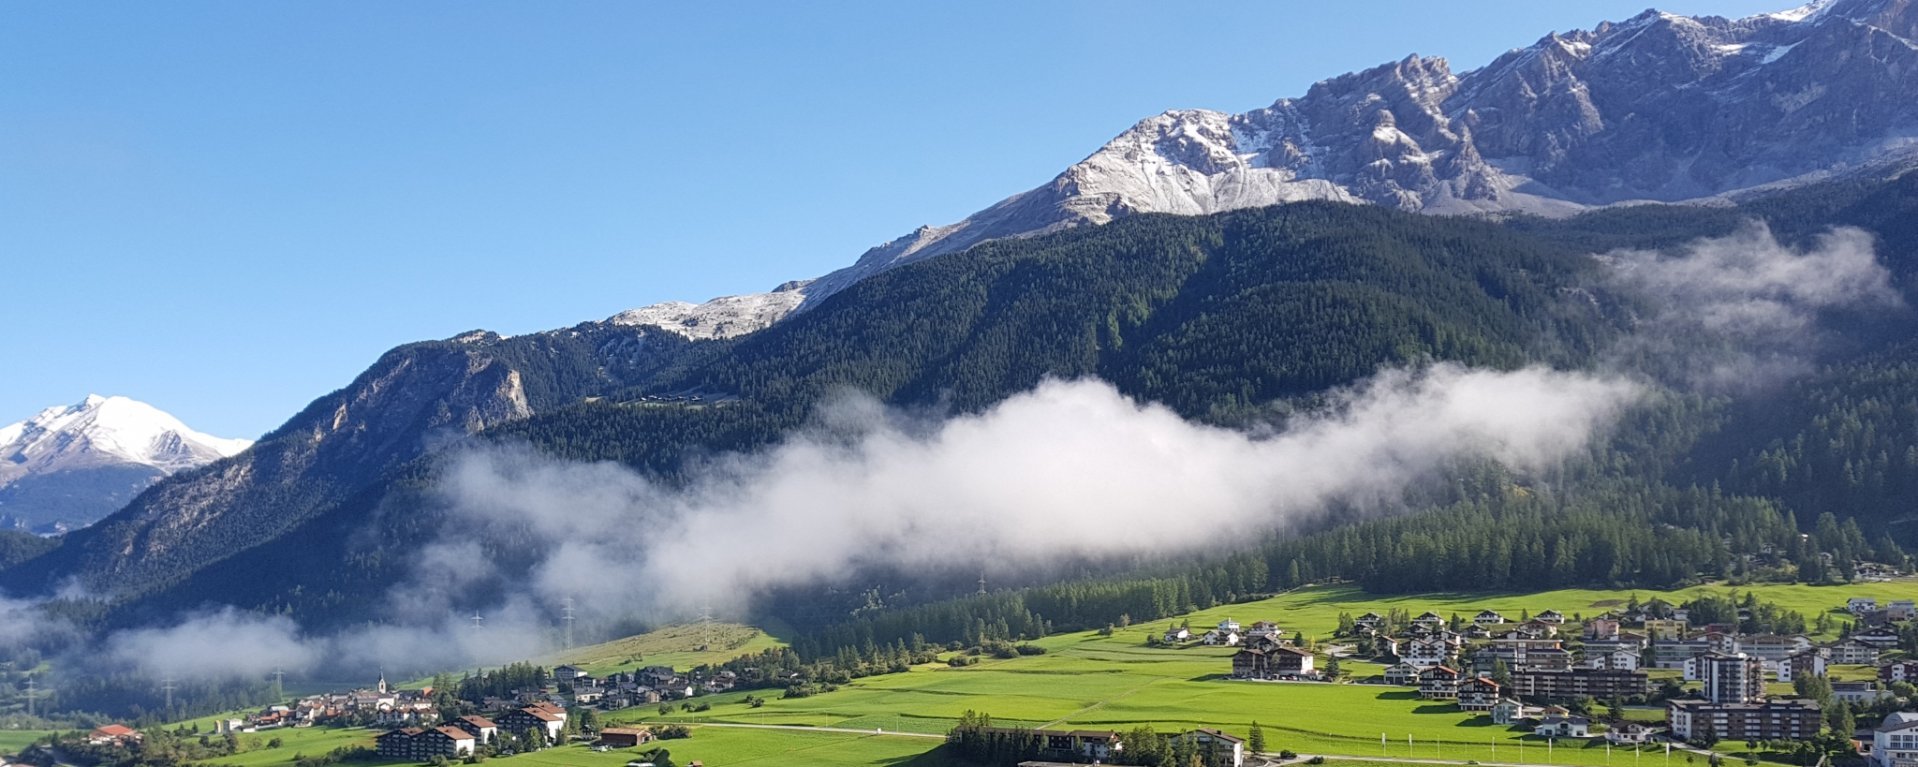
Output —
(804, 728)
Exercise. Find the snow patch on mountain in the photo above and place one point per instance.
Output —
(106, 431)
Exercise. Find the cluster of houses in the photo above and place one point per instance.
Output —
(463, 736)
(1495, 665)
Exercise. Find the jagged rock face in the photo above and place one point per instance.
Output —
(414, 398)
(1659, 107)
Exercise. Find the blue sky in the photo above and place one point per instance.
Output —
(229, 209)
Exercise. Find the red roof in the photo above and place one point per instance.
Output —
(115, 731)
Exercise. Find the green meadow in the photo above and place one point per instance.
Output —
(1116, 682)
(11, 741)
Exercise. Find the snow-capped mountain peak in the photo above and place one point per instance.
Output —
(101, 431)
(1656, 108)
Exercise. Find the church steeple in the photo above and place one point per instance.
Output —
(382, 686)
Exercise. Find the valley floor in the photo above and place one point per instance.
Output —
(1088, 681)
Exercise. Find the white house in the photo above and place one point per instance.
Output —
(1854, 653)
(1628, 734)
(1215, 741)
(1564, 727)
(1860, 605)
(1178, 634)
(1218, 638)
(1402, 673)
(1895, 742)
(1426, 652)
(1263, 629)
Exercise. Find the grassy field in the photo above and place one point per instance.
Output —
(681, 647)
(726, 746)
(1116, 682)
(11, 741)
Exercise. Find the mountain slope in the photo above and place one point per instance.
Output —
(68, 466)
(1659, 107)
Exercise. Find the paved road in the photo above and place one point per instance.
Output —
(804, 728)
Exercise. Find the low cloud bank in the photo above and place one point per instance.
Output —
(1743, 310)
(1068, 470)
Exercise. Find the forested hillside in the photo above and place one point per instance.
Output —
(1237, 319)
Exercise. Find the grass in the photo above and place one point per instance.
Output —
(677, 646)
(1106, 682)
(739, 746)
(1116, 682)
(11, 741)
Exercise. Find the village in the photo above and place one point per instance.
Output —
(1543, 673)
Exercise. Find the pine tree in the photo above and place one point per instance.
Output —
(1255, 739)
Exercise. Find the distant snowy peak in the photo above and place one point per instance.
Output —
(106, 431)
(723, 317)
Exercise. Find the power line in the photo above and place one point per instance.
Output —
(566, 614)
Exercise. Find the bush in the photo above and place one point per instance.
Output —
(1286, 753)
(1030, 649)
(673, 732)
(1316, 760)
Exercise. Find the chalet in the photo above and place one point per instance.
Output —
(1854, 653)
(1177, 634)
(1881, 637)
(1386, 646)
(1478, 694)
(1426, 652)
(1369, 621)
(625, 737)
(1628, 734)
(1807, 664)
(1271, 662)
(569, 673)
(546, 719)
(1516, 651)
(1564, 727)
(1429, 620)
(1403, 674)
(657, 677)
(1860, 605)
(1509, 711)
(1723, 642)
(1665, 629)
(1217, 638)
(1438, 683)
(418, 744)
(1899, 671)
(1488, 618)
(1263, 629)
(1601, 629)
(1229, 625)
(481, 728)
(1902, 610)
(1225, 749)
(1477, 632)
(1537, 629)
(113, 734)
(1620, 660)
(1553, 617)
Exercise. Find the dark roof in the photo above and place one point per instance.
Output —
(1221, 735)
